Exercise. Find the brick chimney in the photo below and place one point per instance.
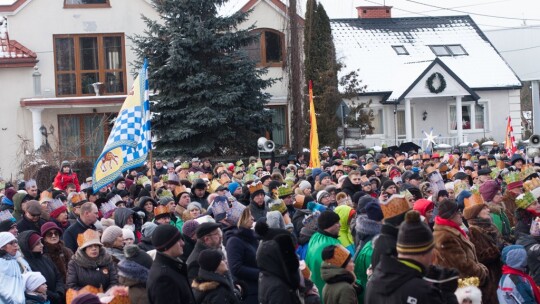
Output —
(374, 12)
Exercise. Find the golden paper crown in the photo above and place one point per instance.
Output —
(512, 177)
(525, 200)
(159, 210)
(474, 199)
(452, 172)
(500, 164)
(213, 186)
(471, 281)
(45, 196)
(531, 184)
(284, 190)
(88, 237)
(396, 204)
(340, 257)
(75, 197)
(526, 171)
(255, 187)
(459, 186)
(224, 178)
(180, 189)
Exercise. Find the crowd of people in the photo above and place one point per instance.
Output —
(387, 227)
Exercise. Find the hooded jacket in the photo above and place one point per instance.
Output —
(17, 204)
(396, 282)
(350, 188)
(83, 271)
(121, 216)
(280, 277)
(210, 287)
(41, 263)
(338, 288)
(241, 254)
(345, 236)
(63, 179)
(532, 245)
(134, 276)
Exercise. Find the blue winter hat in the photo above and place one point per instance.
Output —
(460, 199)
(323, 175)
(315, 172)
(514, 256)
(233, 186)
(374, 211)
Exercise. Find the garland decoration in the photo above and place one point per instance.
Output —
(442, 82)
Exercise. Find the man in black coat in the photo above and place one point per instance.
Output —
(31, 218)
(401, 279)
(167, 280)
(87, 219)
(209, 236)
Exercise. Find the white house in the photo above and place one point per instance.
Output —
(425, 73)
(73, 43)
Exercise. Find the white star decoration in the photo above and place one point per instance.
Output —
(430, 137)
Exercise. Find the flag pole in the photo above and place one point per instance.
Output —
(153, 194)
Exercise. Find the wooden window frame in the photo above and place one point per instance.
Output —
(106, 131)
(262, 43)
(101, 62)
(94, 5)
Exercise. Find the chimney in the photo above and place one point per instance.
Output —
(368, 12)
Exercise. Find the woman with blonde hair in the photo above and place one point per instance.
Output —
(241, 253)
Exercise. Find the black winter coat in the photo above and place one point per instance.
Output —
(395, 282)
(41, 263)
(168, 283)
(192, 262)
(211, 288)
(278, 283)
(384, 243)
(532, 245)
(25, 225)
(83, 271)
(241, 255)
(71, 234)
(146, 244)
(350, 188)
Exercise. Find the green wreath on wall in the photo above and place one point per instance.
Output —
(442, 82)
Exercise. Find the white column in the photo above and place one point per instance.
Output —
(408, 123)
(36, 124)
(459, 119)
(536, 107)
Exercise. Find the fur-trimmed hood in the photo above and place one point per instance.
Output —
(133, 271)
(207, 281)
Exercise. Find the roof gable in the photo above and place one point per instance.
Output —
(12, 53)
(454, 86)
(367, 45)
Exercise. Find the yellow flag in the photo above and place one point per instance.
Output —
(314, 161)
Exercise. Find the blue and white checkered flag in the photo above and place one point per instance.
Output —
(130, 140)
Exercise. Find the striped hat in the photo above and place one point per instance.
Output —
(414, 236)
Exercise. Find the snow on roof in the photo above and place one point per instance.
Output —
(366, 44)
(11, 51)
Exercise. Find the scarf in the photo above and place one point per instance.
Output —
(444, 222)
(509, 270)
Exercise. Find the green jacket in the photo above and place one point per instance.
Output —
(361, 265)
(339, 287)
(500, 220)
(318, 241)
(179, 223)
(345, 236)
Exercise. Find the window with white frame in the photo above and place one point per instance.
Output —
(474, 116)
(377, 122)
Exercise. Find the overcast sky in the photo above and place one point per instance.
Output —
(489, 14)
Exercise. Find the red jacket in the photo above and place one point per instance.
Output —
(63, 179)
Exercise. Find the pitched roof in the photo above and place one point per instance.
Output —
(12, 53)
(366, 44)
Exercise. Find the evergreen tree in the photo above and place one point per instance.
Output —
(322, 68)
(210, 98)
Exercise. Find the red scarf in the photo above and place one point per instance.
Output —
(509, 270)
(444, 222)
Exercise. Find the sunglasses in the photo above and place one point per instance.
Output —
(52, 234)
(35, 215)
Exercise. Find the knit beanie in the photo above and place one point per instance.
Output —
(274, 219)
(414, 236)
(336, 255)
(323, 175)
(363, 202)
(189, 228)
(147, 229)
(33, 239)
(322, 194)
(110, 234)
(233, 186)
(327, 219)
(315, 172)
(5, 225)
(473, 211)
(447, 208)
(165, 200)
(489, 189)
(209, 259)
(5, 238)
(32, 280)
(514, 256)
(137, 255)
(86, 298)
(374, 211)
(310, 221)
(194, 205)
(304, 185)
(165, 236)
(423, 206)
(127, 234)
(388, 184)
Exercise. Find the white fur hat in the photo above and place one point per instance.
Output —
(471, 293)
